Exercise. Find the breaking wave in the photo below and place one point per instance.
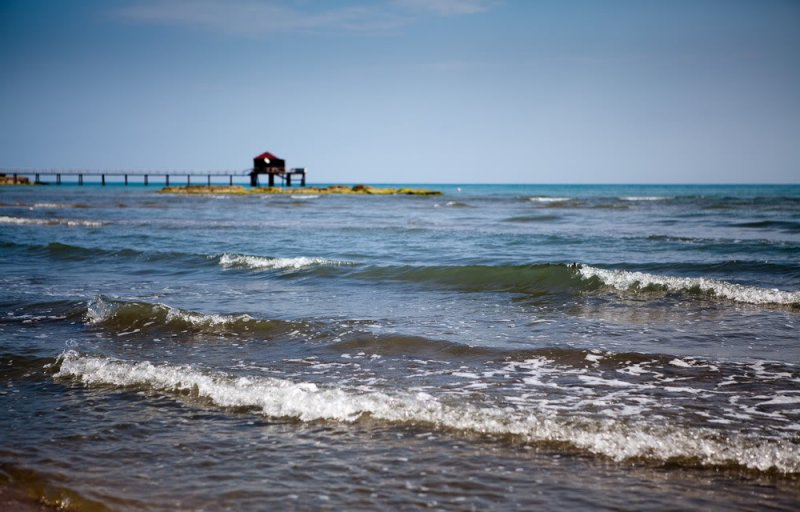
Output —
(143, 318)
(51, 205)
(4, 219)
(261, 263)
(550, 279)
(305, 401)
(625, 280)
(548, 199)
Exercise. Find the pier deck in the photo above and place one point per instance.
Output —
(169, 177)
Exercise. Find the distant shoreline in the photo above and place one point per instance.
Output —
(333, 189)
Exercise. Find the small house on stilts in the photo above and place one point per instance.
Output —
(271, 165)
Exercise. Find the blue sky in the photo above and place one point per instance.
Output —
(468, 91)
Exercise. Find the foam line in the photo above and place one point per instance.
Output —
(625, 280)
(612, 437)
(260, 263)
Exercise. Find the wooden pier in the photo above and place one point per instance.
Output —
(265, 163)
(167, 178)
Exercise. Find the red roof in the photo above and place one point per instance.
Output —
(266, 154)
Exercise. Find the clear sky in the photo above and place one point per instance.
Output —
(508, 91)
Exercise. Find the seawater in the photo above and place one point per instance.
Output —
(497, 347)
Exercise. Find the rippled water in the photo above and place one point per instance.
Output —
(497, 347)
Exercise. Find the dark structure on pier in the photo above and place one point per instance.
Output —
(271, 165)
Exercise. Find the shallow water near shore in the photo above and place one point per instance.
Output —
(496, 347)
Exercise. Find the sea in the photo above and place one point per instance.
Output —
(498, 347)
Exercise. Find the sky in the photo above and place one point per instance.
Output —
(407, 91)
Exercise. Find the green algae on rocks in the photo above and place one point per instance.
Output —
(333, 189)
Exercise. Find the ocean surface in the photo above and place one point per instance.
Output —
(495, 348)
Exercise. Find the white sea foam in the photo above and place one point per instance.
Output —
(99, 310)
(594, 358)
(625, 280)
(613, 437)
(51, 205)
(50, 222)
(204, 319)
(260, 263)
(643, 198)
(547, 199)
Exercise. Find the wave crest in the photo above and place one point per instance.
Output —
(539, 279)
(626, 280)
(5, 219)
(548, 199)
(261, 263)
(555, 279)
(306, 401)
(142, 318)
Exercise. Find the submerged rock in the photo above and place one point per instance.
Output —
(333, 189)
(205, 189)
